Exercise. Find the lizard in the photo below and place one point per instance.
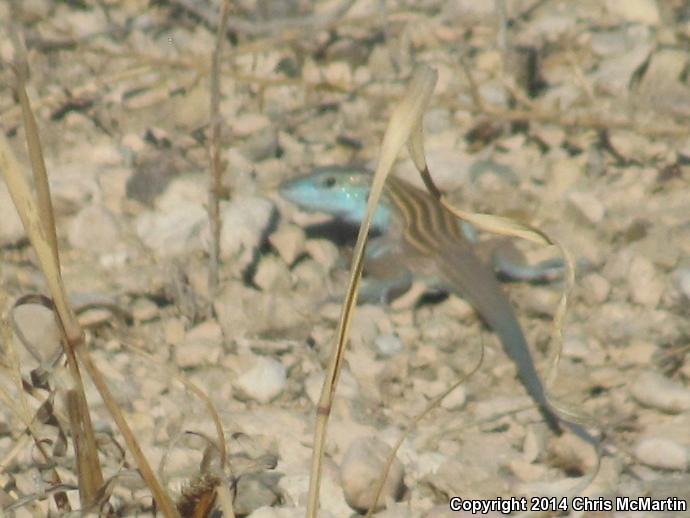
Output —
(419, 237)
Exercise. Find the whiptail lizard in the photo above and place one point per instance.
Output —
(420, 237)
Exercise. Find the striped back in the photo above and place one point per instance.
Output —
(428, 225)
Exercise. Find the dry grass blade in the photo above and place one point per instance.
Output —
(73, 336)
(509, 227)
(512, 228)
(39, 223)
(37, 163)
(403, 121)
(29, 214)
(90, 476)
(216, 184)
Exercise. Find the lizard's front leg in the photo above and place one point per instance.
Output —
(386, 277)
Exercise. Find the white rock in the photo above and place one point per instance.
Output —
(389, 344)
(595, 288)
(360, 471)
(245, 219)
(247, 124)
(645, 284)
(662, 453)
(288, 240)
(11, 229)
(456, 399)
(144, 310)
(255, 491)
(201, 346)
(183, 190)
(95, 230)
(323, 252)
(587, 206)
(614, 72)
(37, 324)
(654, 390)
(82, 23)
(264, 381)
(642, 11)
(243, 311)
(272, 274)
(682, 276)
(174, 232)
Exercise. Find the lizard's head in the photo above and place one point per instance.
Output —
(341, 192)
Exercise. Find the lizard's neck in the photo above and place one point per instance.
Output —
(382, 216)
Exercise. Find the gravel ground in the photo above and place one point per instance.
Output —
(570, 115)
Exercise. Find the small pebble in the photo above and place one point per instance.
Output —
(289, 241)
(95, 230)
(388, 344)
(682, 277)
(323, 252)
(642, 11)
(272, 274)
(144, 310)
(644, 282)
(456, 399)
(360, 471)
(255, 491)
(245, 219)
(38, 326)
(264, 381)
(174, 232)
(595, 288)
(587, 207)
(661, 453)
(656, 391)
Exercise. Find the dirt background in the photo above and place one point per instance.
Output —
(570, 115)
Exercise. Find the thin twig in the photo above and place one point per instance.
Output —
(216, 166)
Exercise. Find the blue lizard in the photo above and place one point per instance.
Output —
(419, 237)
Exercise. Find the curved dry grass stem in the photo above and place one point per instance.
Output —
(189, 385)
(411, 425)
(509, 227)
(404, 119)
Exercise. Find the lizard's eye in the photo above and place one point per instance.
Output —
(329, 182)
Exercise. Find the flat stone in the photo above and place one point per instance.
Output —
(661, 453)
(587, 206)
(646, 286)
(174, 232)
(656, 391)
(641, 11)
(288, 241)
(264, 381)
